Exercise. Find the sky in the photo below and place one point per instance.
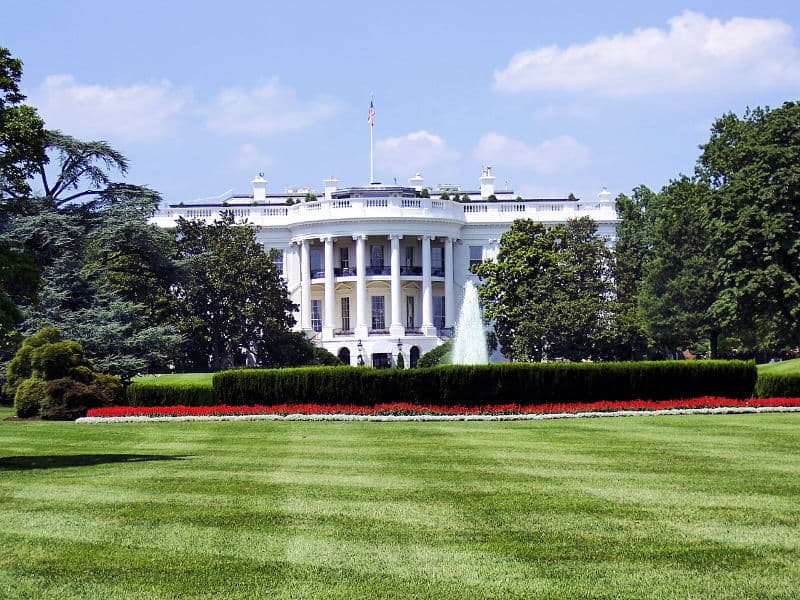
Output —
(558, 97)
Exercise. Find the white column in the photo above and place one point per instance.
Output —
(427, 288)
(396, 329)
(361, 287)
(449, 274)
(305, 286)
(327, 323)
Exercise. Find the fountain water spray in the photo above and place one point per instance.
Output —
(469, 347)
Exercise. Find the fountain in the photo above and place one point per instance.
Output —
(469, 347)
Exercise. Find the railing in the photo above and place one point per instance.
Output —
(345, 272)
(342, 332)
(413, 331)
(379, 332)
(384, 270)
(410, 270)
(317, 273)
(437, 272)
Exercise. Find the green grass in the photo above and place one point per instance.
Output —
(199, 378)
(649, 507)
(786, 367)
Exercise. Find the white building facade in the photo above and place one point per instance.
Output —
(380, 270)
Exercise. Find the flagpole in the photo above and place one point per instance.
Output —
(371, 172)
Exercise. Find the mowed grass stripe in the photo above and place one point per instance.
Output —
(406, 510)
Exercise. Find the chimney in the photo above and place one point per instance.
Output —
(329, 186)
(259, 188)
(487, 182)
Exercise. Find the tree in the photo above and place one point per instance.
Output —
(18, 283)
(550, 292)
(232, 297)
(21, 134)
(677, 285)
(752, 165)
(632, 251)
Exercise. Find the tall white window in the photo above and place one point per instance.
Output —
(316, 315)
(410, 312)
(344, 258)
(316, 262)
(278, 260)
(475, 255)
(409, 256)
(346, 313)
(378, 312)
(438, 312)
(437, 260)
(376, 256)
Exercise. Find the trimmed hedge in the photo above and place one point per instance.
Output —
(777, 386)
(469, 385)
(187, 393)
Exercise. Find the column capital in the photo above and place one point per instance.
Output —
(396, 236)
(359, 236)
(326, 238)
(426, 237)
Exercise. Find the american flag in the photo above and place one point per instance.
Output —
(371, 114)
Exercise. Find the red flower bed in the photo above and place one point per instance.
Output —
(404, 408)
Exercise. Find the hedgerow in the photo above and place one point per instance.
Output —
(153, 393)
(777, 385)
(468, 385)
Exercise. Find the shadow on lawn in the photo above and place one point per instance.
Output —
(25, 463)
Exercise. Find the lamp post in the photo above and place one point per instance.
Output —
(360, 347)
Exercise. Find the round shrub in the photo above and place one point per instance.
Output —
(110, 386)
(29, 396)
(68, 399)
(438, 356)
(20, 366)
(55, 360)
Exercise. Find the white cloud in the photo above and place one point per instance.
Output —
(696, 53)
(267, 108)
(137, 112)
(414, 152)
(248, 156)
(556, 154)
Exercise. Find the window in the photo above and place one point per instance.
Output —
(438, 312)
(475, 255)
(346, 313)
(278, 260)
(410, 312)
(344, 258)
(409, 256)
(316, 261)
(316, 315)
(378, 313)
(437, 258)
(376, 256)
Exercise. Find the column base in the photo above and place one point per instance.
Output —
(428, 330)
(361, 332)
(397, 330)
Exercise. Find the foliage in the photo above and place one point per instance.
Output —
(52, 377)
(154, 392)
(425, 193)
(400, 363)
(549, 294)
(232, 297)
(752, 165)
(67, 399)
(19, 282)
(324, 358)
(21, 134)
(436, 356)
(777, 385)
(678, 288)
(465, 385)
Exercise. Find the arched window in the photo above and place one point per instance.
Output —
(344, 355)
(414, 356)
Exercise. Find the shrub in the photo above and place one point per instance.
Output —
(478, 385)
(68, 399)
(110, 386)
(401, 362)
(437, 356)
(20, 366)
(55, 360)
(777, 386)
(324, 358)
(189, 393)
(30, 394)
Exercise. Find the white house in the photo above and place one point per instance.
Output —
(380, 269)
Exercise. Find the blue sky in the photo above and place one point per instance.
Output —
(558, 97)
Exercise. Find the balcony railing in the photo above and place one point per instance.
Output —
(343, 332)
(345, 272)
(437, 272)
(410, 270)
(375, 270)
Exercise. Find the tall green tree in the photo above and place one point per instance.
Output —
(231, 298)
(632, 251)
(678, 277)
(21, 134)
(550, 292)
(752, 165)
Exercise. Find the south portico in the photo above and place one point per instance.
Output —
(400, 285)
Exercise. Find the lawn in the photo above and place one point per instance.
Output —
(786, 367)
(645, 507)
(200, 378)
